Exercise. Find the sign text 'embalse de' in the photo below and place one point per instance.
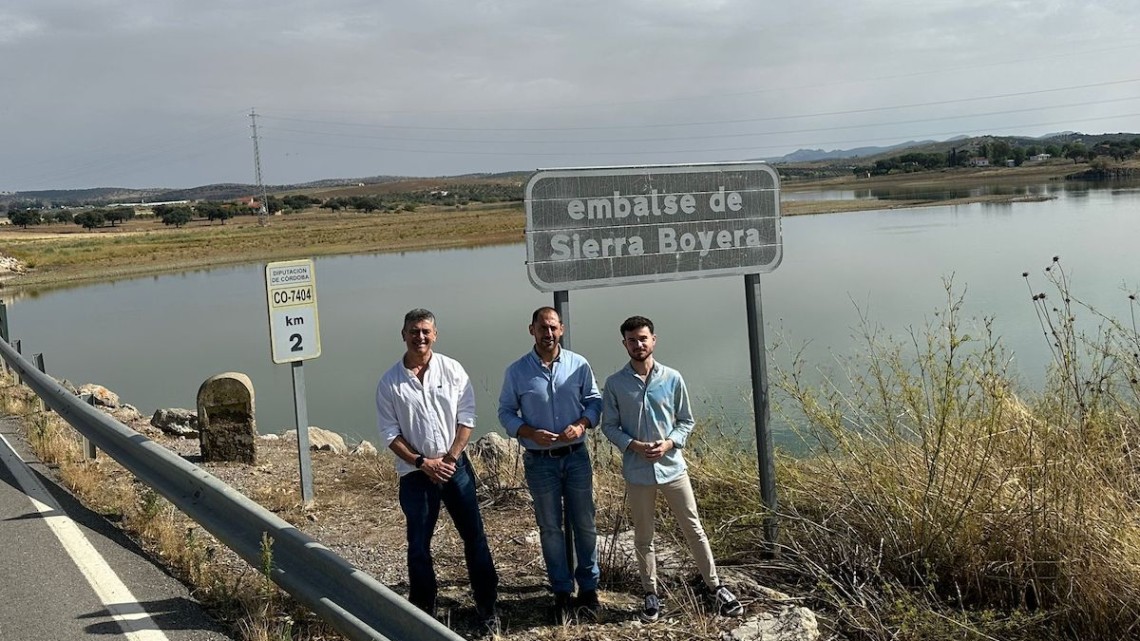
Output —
(612, 226)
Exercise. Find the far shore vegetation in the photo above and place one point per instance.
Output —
(64, 246)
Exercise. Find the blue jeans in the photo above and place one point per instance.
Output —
(558, 483)
(420, 500)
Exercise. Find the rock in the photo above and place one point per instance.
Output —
(321, 440)
(364, 448)
(103, 396)
(269, 437)
(618, 553)
(492, 450)
(8, 264)
(176, 421)
(788, 623)
(68, 385)
(126, 413)
(496, 460)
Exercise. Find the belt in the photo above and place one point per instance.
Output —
(557, 452)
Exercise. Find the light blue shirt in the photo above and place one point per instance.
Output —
(653, 410)
(548, 399)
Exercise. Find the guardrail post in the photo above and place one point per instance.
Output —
(4, 321)
(38, 359)
(89, 450)
(17, 346)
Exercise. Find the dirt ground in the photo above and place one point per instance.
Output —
(356, 513)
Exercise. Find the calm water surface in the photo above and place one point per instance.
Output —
(154, 340)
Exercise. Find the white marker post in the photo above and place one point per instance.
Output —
(294, 335)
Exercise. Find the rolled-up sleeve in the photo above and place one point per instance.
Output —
(465, 408)
(386, 413)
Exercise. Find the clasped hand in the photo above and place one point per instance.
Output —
(570, 434)
(652, 451)
(439, 470)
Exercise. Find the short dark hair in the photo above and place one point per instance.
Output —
(541, 311)
(416, 315)
(634, 323)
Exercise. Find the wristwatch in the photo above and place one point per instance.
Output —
(419, 461)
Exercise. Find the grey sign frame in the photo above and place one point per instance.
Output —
(604, 226)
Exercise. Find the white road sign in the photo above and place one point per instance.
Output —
(294, 329)
(601, 226)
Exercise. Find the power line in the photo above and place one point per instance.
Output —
(750, 149)
(736, 94)
(582, 141)
(846, 112)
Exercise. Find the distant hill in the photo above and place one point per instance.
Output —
(812, 155)
(804, 163)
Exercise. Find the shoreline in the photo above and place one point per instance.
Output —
(66, 257)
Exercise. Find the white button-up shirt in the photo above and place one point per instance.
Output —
(425, 414)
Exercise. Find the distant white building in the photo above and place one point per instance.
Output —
(1040, 157)
(980, 162)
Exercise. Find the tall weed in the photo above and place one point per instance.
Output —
(935, 495)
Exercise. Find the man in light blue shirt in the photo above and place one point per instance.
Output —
(647, 416)
(548, 401)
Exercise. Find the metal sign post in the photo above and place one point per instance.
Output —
(765, 455)
(562, 306)
(294, 336)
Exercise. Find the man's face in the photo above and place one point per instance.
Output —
(419, 336)
(547, 330)
(639, 343)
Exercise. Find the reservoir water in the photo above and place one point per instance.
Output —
(154, 340)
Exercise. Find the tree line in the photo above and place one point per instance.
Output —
(1000, 152)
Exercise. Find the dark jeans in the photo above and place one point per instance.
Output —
(420, 499)
(565, 484)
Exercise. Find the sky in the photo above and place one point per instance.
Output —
(159, 93)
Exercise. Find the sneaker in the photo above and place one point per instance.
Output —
(727, 604)
(588, 599)
(652, 608)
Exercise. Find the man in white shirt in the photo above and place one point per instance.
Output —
(426, 409)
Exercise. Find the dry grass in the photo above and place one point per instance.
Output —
(937, 504)
(143, 247)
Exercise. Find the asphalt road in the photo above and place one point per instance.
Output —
(67, 574)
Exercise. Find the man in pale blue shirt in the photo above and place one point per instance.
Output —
(548, 401)
(648, 417)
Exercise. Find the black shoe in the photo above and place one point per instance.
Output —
(651, 609)
(588, 599)
(563, 603)
(488, 620)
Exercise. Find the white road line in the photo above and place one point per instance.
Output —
(135, 622)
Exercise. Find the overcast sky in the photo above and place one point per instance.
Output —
(158, 93)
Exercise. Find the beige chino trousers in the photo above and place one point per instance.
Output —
(679, 496)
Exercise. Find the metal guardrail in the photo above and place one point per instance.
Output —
(352, 601)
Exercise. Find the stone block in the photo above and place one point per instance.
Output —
(228, 431)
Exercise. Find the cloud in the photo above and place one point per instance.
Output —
(355, 87)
